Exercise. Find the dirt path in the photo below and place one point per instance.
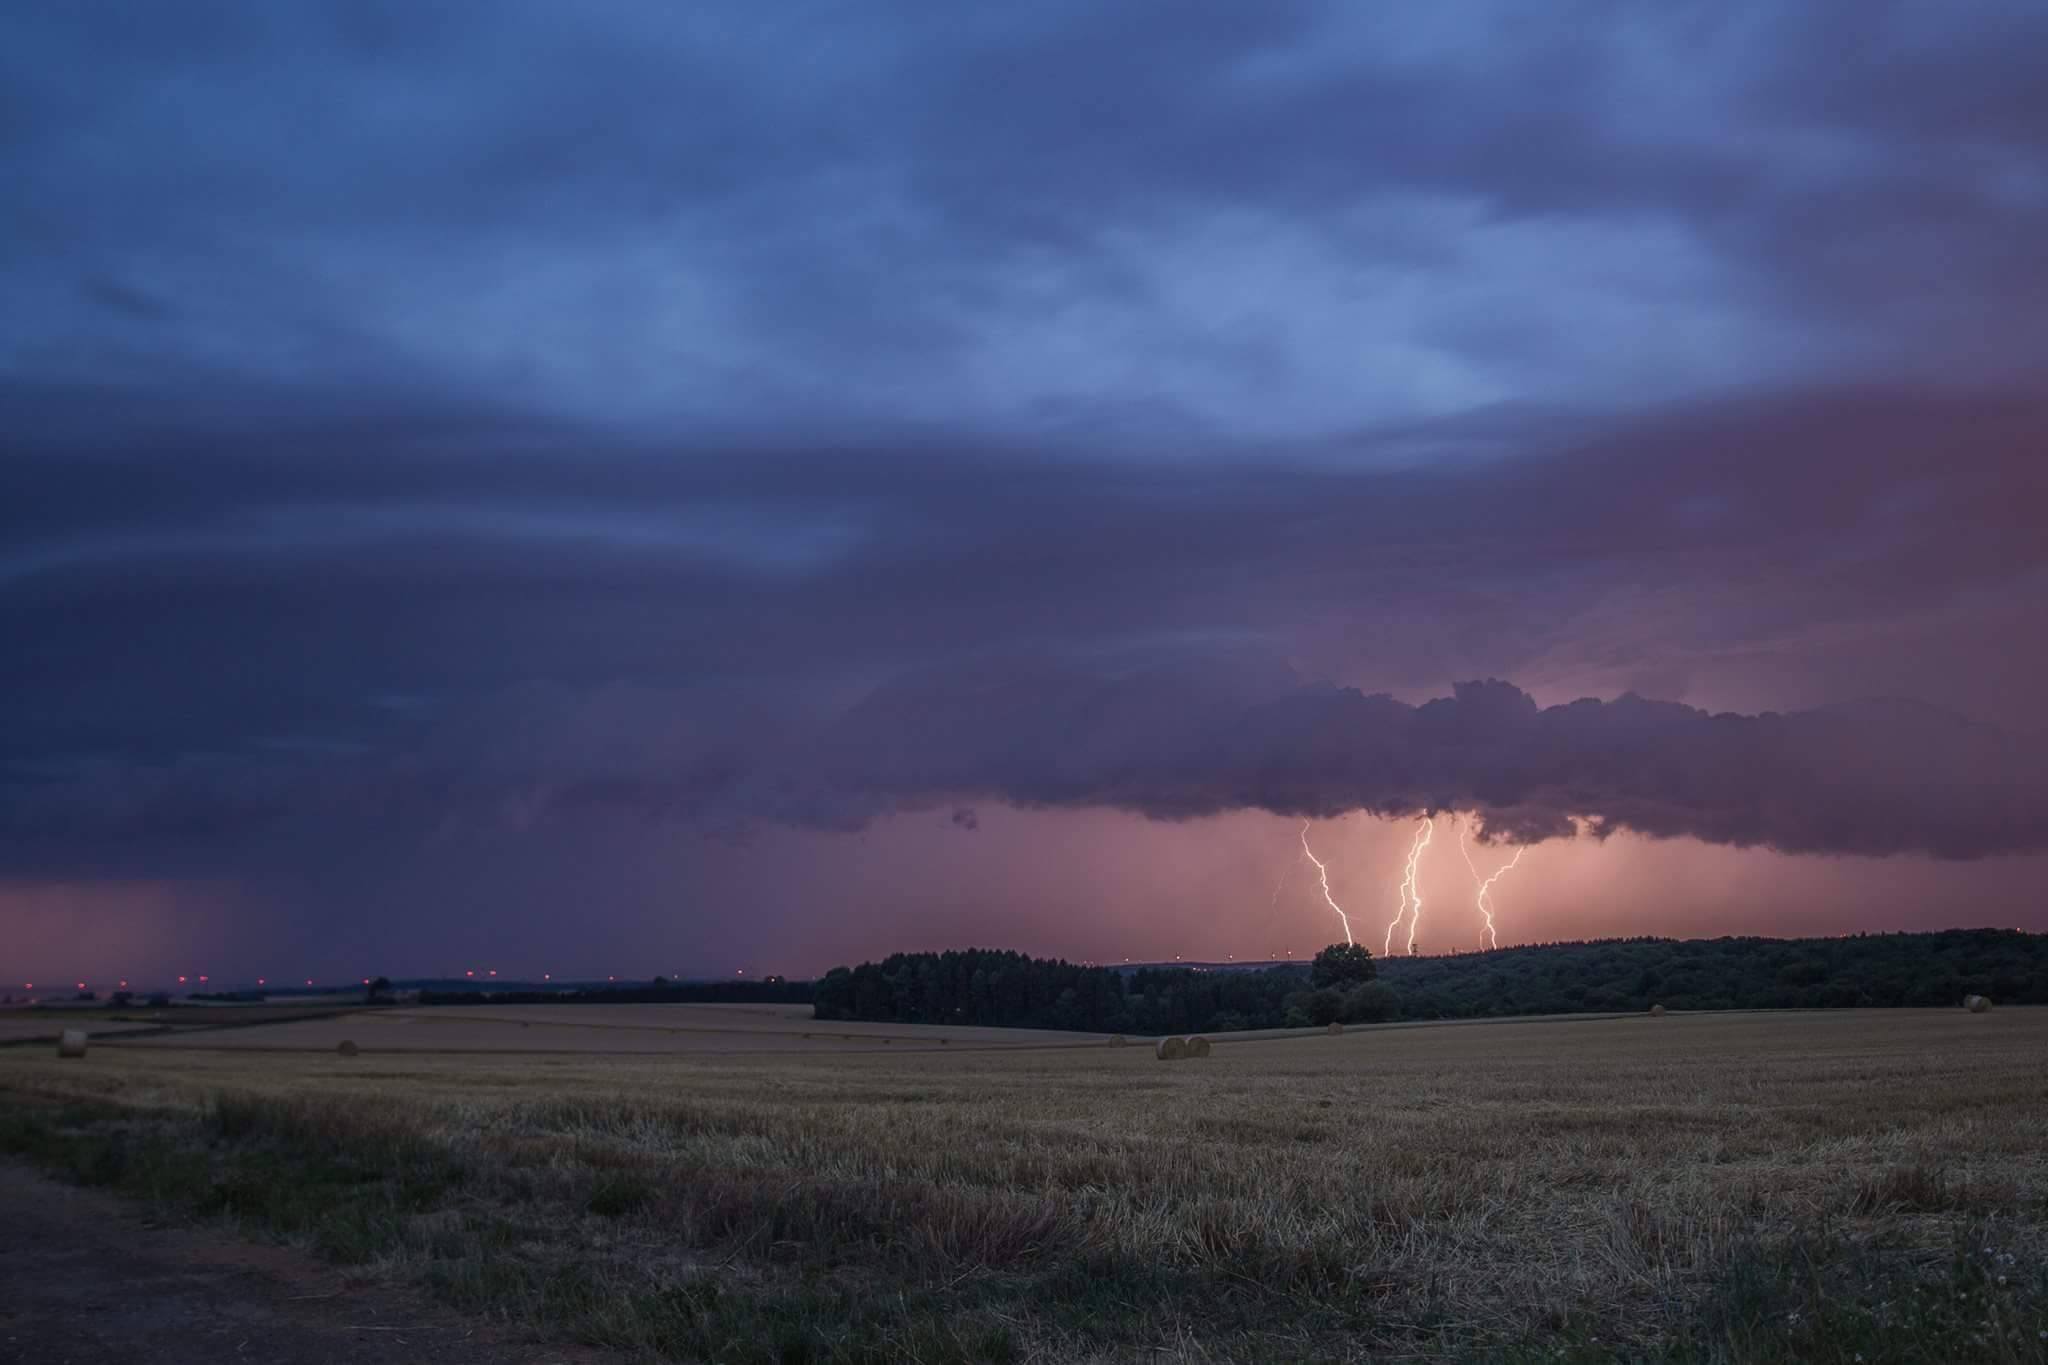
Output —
(84, 1279)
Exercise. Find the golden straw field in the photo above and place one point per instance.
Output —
(1841, 1185)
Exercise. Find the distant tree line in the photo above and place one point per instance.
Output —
(1345, 984)
(1006, 989)
(1861, 970)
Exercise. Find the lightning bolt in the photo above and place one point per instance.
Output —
(1324, 873)
(1486, 884)
(1285, 868)
(1411, 888)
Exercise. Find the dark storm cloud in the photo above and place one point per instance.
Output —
(664, 212)
(421, 420)
(818, 634)
(1875, 778)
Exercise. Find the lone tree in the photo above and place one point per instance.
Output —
(1342, 964)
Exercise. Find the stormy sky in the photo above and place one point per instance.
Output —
(635, 486)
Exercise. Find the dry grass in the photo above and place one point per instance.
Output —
(1704, 1187)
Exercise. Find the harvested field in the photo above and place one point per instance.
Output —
(25, 1026)
(612, 1030)
(1760, 1187)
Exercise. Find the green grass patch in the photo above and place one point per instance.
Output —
(771, 1271)
(1825, 1301)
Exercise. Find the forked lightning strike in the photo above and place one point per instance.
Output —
(1324, 873)
(1486, 884)
(1411, 887)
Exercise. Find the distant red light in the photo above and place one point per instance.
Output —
(81, 985)
(309, 981)
(261, 982)
(181, 981)
(494, 971)
(545, 976)
(202, 979)
(469, 973)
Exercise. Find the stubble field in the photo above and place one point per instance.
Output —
(1812, 1187)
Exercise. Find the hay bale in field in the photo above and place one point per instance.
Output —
(1198, 1046)
(1116, 1040)
(71, 1043)
(1656, 1011)
(347, 1047)
(1335, 1027)
(1976, 1004)
(1171, 1049)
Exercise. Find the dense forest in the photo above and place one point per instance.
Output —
(1008, 989)
(979, 986)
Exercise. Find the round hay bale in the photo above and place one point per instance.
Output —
(1656, 1011)
(1171, 1049)
(1976, 1004)
(347, 1047)
(1198, 1046)
(71, 1043)
(1335, 1028)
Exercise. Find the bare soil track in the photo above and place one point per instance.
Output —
(86, 1279)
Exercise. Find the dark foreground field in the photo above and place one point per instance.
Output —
(86, 1276)
(1827, 1187)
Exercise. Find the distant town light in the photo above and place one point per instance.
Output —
(494, 971)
